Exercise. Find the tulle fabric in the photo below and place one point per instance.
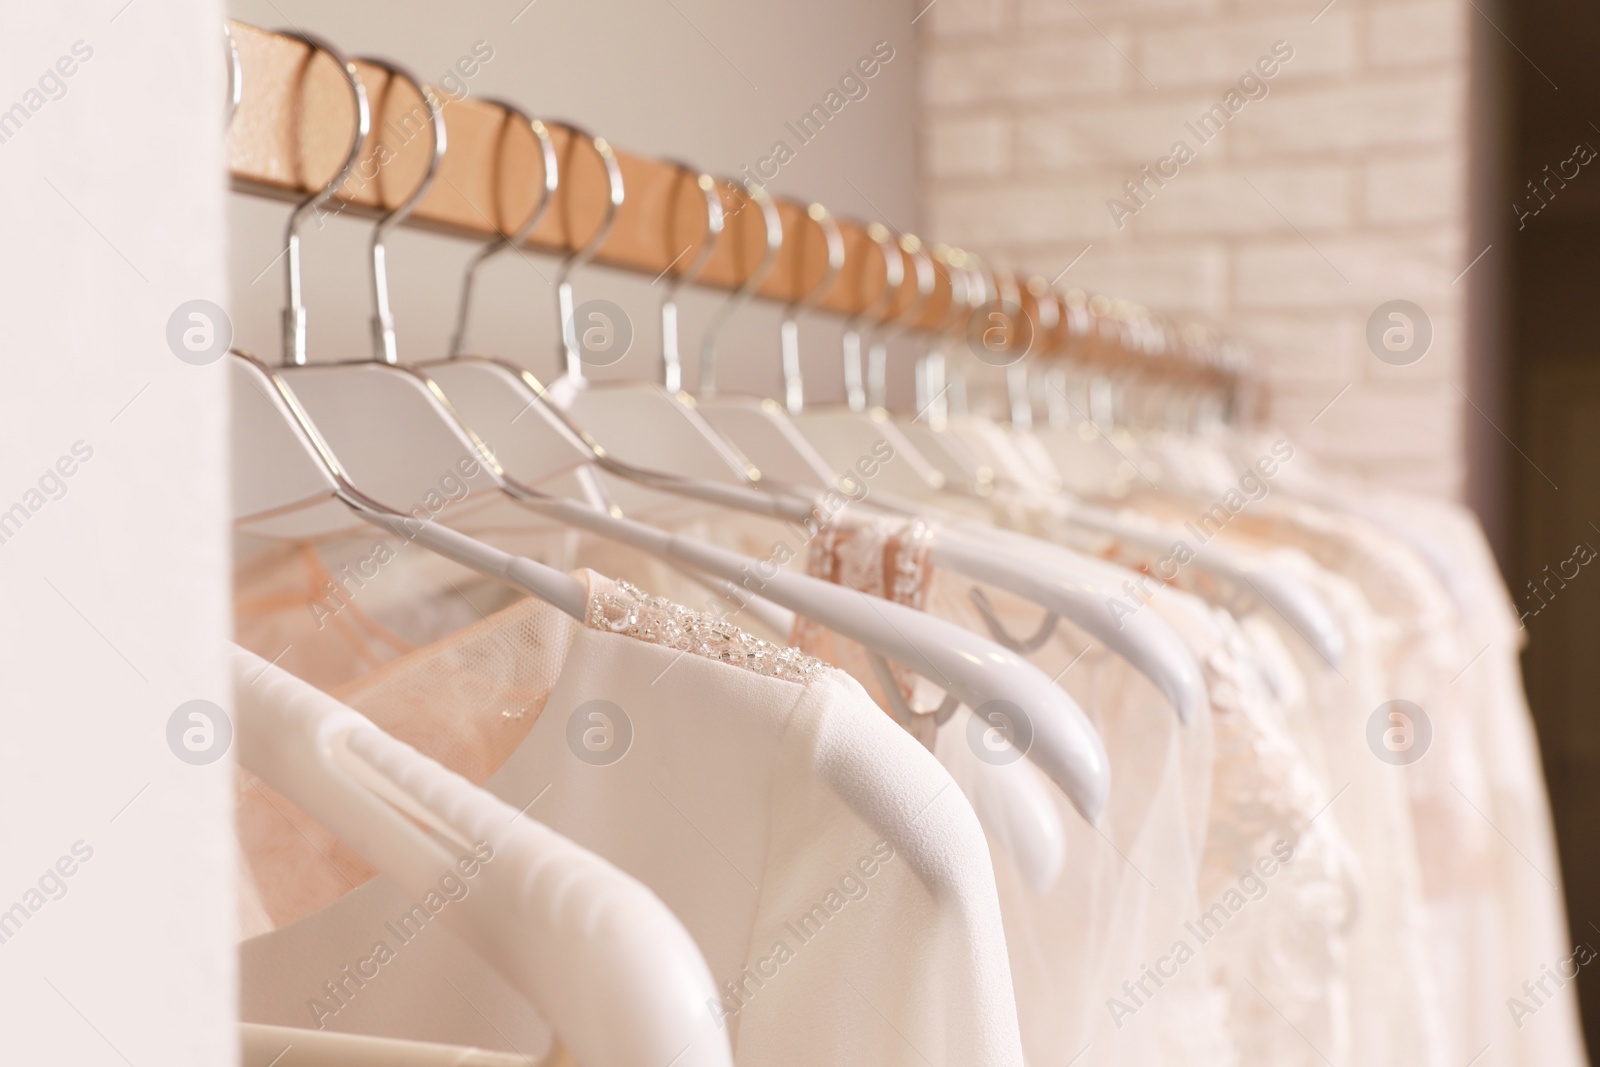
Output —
(1514, 975)
(1128, 885)
(1283, 959)
(1494, 917)
(1394, 1010)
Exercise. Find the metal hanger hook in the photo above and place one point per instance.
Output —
(548, 185)
(383, 337)
(235, 74)
(294, 313)
(878, 351)
(741, 295)
(894, 275)
(789, 328)
(981, 288)
(997, 628)
(1006, 292)
(965, 299)
(615, 193)
(671, 357)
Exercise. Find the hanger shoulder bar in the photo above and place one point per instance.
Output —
(382, 798)
(991, 680)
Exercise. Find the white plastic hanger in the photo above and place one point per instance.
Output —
(390, 424)
(494, 393)
(1050, 579)
(1240, 575)
(607, 964)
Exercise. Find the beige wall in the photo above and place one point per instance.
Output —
(711, 82)
(1341, 189)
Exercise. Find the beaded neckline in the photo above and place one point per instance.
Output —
(620, 608)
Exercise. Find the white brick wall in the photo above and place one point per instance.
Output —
(1342, 188)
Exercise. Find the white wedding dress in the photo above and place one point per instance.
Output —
(1197, 814)
(1128, 884)
(837, 885)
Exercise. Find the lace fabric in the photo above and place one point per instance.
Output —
(1128, 886)
(1286, 956)
(1447, 644)
(882, 558)
(1397, 1007)
(1288, 960)
(1396, 1010)
(1401, 900)
(501, 671)
(335, 610)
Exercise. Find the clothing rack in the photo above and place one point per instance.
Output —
(293, 120)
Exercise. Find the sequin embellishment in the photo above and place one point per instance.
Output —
(626, 609)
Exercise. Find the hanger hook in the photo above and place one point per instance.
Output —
(1047, 341)
(789, 329)
(501, 241)
(894, 275)
(235, 73)
(294, 315)
(883, 333)
(740, 296)
(1073, 330)
(964, 300)
(383, 338)
(983, 289)
(671, 359)
(1005, 292)
(572, 353)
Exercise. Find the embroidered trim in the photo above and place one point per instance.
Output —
(882, 557)
(909, 549)
(626, 609)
